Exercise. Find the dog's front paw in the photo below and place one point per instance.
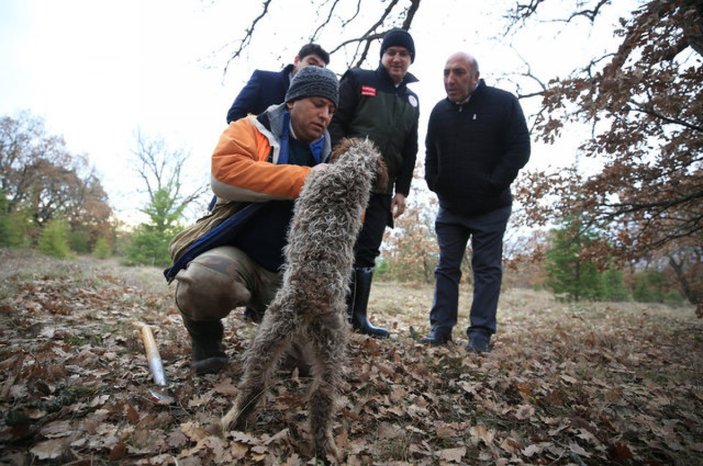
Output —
(235, 419)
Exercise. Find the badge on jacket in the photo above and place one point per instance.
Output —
(413, 100)
(368, 91)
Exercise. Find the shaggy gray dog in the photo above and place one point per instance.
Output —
(310, 307)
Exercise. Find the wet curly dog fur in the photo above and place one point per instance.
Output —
(310, 307)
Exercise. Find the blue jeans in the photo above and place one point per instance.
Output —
(486, 233)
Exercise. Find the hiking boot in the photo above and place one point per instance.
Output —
(208, 356)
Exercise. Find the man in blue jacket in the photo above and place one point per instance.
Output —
(477, 141)
(266, 88)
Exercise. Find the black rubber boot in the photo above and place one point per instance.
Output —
(358, 302)
(208, 356)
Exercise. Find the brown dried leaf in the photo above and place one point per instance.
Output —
(532, 450)
(226, 387)
(56, 429)
(483, 434)
(245, 438)
(177, 439)
(238, 450)
(452, 455)
(524, 412)
(50, 449)
(118, 452)
(445, 431)
(194, 431)
(620, 452)
(578, 449)
(132, 414)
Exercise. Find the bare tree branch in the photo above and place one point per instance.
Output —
(161, 170)
(249, 34)
(410, 14)
(590, 14)
(369, 36)
(353, 17)
(362, 44)
(325, 23)
(521, 12)
(648, 109)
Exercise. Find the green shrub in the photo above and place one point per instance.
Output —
(674, 298)
(53, 239)
(102, 249)
(576, 278)
(14, 230)
(614, 288)
(14, 226)
(649, 287)
(381, 268)
(568, 274)
(148, 247)
(79, 241)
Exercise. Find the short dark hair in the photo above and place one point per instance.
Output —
(314, 49)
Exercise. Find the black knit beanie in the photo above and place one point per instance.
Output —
(399, 38)
(313, 81)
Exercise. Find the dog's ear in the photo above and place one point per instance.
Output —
(339, 150)
(381, 182)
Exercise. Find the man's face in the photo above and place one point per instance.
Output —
(308, 60)
(459, 79)
(396, 60)
(310, 116)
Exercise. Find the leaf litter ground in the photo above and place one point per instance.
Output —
(582, 384)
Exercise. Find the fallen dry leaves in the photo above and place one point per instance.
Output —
(566, 383)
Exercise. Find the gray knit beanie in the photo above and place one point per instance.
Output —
(313, 81)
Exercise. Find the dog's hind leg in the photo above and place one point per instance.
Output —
(272, 339)
(329, 345)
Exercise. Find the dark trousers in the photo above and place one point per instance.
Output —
(376, 217)
(486, 234)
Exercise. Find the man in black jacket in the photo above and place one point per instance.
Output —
(477, 141)
(378, 104)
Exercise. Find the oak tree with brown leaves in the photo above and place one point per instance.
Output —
(644, 103)
(40, 176)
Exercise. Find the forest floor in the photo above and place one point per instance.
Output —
(581, 384)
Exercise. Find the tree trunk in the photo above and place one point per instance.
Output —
(681, 277)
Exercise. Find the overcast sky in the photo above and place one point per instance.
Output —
(98, 70)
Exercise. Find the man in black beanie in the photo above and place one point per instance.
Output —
(378, 104)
